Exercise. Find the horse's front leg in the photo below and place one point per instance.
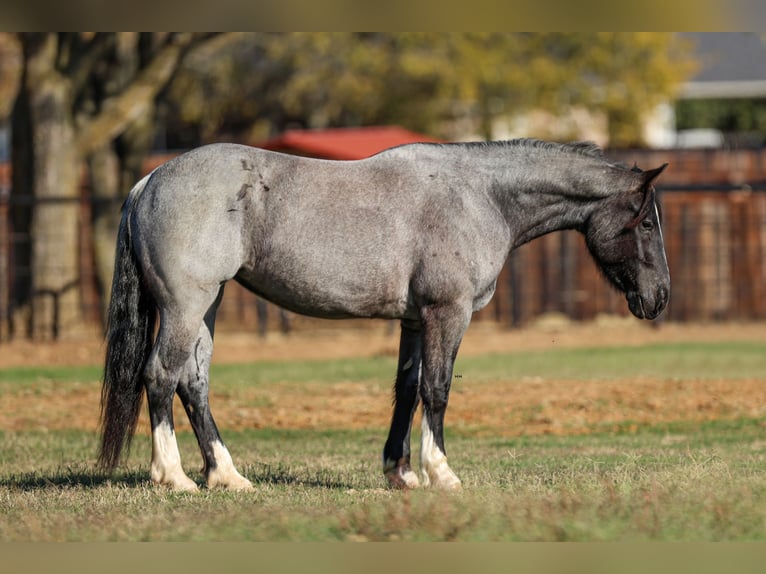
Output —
(443, 329)
(396, 453)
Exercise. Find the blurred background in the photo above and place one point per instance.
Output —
(84, 115)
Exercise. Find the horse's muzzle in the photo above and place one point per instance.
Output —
(648, 307)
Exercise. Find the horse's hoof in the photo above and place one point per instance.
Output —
(229, 481)
(441, 477)
(187, 485)
(450, 484)
(174, 479)
(399, 482)
(402, 478)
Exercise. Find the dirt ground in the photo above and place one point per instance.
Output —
(533, 407)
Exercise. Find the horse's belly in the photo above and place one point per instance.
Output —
(330, 296)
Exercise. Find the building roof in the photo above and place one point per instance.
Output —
(344, 143)
(732, 65)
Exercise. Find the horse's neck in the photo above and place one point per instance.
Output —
(538, 197)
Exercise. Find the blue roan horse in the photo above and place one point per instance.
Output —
(417, 233)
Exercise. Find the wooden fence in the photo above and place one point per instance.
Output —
(714, 225)
(715, 245)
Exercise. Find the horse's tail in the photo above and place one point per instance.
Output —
(130, 328)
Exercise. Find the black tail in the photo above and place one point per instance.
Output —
(130, 328)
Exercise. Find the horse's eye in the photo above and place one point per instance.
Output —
(647, 225)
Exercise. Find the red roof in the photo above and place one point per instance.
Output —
(344, 143)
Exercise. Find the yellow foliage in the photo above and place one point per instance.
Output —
(424, 79)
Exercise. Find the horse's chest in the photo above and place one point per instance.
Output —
(484, 295)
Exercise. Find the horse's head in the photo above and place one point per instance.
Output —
(624, 236)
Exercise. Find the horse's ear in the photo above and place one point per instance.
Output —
(649, 176)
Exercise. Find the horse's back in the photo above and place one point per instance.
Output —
(318, 237)
(327, 238)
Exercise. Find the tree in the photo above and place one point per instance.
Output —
(260, 84)
(741, 120)
(625, 75)
(79, 93)
(439, 83)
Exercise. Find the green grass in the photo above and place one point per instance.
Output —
(688, 481)
(667, 361)
(681, 482)
(735, 360)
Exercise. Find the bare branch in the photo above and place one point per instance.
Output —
(87, 57)
(136, 98)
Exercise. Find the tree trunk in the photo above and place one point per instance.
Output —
(112, 176)
(22, 179)
(55, 96)
(103, 167)
(115, 165)
(54, 227)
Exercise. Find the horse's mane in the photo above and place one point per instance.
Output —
(587, 149)
(583, 148)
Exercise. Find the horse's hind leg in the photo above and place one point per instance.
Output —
(396, 453)
(173, 357)
(164, 369)
(193, 391)
(443, 329)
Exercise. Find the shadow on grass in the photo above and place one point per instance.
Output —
(286, 476)
(87, 478)
(73, 478)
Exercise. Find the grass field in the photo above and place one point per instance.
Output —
(648, 442)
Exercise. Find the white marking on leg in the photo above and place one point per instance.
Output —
(224, 474)
(409, 477)
(434, 469)
(166, 461)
